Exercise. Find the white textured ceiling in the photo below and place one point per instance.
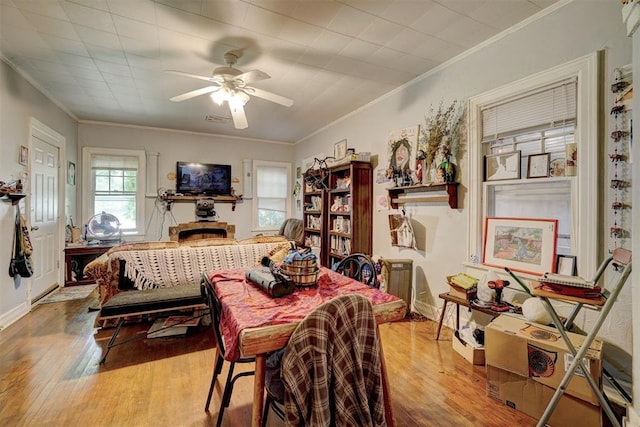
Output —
(104, 60)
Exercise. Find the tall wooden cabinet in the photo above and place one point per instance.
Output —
(338, 211)
(350, 210)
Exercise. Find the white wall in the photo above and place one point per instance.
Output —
(571, 31)
(174, 146)
(19, 102)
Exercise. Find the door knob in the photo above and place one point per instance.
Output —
(34, 228)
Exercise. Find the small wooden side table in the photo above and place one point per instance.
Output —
(75, 259)
(458, 302)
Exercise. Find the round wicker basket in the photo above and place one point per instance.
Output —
(303, 272)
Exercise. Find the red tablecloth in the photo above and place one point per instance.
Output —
(245, 305)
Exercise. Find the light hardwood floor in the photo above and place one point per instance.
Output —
(50, 376)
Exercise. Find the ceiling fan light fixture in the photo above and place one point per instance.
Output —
(239, 99)
(232, 96)
(221, 95)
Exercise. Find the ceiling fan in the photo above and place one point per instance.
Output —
(231, 85)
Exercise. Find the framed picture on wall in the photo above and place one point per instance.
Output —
(538, 165)
(502, 166)
(23, 155)
(71, 173)
(340, 149)
(522, 244)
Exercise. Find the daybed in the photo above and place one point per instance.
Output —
(147, 265)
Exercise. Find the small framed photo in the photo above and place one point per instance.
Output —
(340, 149)
(538, 165)
(23, 155)
(566, 264)
(71, 173)
(502, 166)
(557, 166)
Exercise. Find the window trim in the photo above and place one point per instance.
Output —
(585, 215)
(88, 189)
(254, 178)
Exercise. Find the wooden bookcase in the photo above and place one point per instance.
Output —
(338, 211)
(315, 212)
(349, 211)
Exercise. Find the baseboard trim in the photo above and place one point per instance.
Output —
(13, 315)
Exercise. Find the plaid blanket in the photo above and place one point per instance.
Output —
(331, 367)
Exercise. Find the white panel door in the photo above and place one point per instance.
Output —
(44, 217)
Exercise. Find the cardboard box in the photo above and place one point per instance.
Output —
(532, 398)
(466, 294)
(539, 352)
(473, 354)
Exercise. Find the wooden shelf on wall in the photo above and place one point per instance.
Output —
(220, 199)
(398, 195)
(14, 198)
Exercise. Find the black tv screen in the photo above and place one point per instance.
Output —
(203, 178)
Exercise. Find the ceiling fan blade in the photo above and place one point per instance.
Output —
(252, 76)
(269, 96)
(239, 117)
(194, 93)
(213, 79)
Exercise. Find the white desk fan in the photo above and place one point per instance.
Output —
(103, 227)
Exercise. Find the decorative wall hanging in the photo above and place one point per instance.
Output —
(621, 138)
(23, 155)
(401, 152)
(401, 231)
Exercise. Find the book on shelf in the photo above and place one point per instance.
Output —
(566, 280)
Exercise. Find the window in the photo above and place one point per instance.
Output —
(544, 113)
(272, 202)
(116, 185)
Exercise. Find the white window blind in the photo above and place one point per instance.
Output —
(272, 181)
(547, 108)
(106, 161)
(271, 201)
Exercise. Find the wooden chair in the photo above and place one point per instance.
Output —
(215, 308)
(356, 266)
(321, 337)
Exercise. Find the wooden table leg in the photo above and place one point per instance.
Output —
(258, 390)
(457, 317)
(386, 391)
(444, 308)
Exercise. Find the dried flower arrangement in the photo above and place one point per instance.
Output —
(442, 133)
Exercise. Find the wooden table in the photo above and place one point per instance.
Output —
(260, 340)
(447, 297)
(81, 256)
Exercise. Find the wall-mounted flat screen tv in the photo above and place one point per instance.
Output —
(203, 178)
